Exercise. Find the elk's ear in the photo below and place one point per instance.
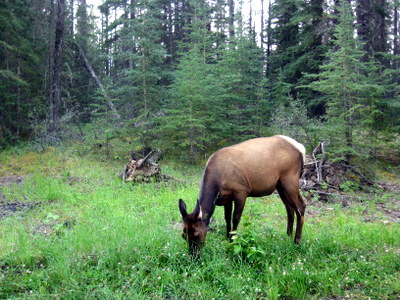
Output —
(182, 208)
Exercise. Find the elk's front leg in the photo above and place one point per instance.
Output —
(228, 218)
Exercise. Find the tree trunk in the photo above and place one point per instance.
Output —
(251, 17)
(72, 16)
(18, 125)
(396, 46)
(231, 18)
(55, 96)
(99, 84)
(363, 14)
(269, 40)
(50, 49)
(106, 42)
(262, 25)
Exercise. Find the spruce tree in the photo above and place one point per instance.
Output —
(22, 100)
(297, 39)
(241, 72)
(350, 88)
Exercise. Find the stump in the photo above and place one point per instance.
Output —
(143, 169)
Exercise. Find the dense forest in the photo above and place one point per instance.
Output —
(84, 84)
(190, 76)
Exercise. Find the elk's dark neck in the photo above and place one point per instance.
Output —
(208, 195)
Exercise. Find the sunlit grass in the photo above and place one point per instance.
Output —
(93, 237)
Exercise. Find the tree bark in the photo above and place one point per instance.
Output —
(55, 95)
(72, 16)
(262, 25)
(50, 49)
(269, 40)
(231, 18)
(395, 31)
(396, 46)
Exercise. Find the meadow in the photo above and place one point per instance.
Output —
(88, 235)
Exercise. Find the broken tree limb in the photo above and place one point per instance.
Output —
(98, 82)
(143, 160)
(143, 169)
(319, 163)
(355, 171)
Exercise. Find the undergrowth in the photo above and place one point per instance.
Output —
(93, 237)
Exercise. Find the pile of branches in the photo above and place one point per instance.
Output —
(143, 169)
(327, 179)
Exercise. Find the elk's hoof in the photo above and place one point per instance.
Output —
(232, 236)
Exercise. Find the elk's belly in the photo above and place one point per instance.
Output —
(261, 193)
(262, 185)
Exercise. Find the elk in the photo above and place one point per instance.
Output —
(253, 168)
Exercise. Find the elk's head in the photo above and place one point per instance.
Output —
(194, 229)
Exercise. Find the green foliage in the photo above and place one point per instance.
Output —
(216, 97)
(349, 186)
(182, 81)
(350, 88)
(246, 244)
(241, 73)
(20, 72)
(194, 116)
(298, 49)
(101, 238)
(293, 121)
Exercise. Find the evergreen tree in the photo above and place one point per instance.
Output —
(241, 72)
(21, 95)
(350, 87)
(297, 36)
(194, 119)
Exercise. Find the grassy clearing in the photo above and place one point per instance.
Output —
(92, 237)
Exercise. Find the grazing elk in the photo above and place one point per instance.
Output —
(253, 168)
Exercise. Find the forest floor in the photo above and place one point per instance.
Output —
(389, 208)
(71, 229)
(8, 207)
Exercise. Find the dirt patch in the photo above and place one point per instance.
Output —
(387, 203)
(8, 208)
(9, 180)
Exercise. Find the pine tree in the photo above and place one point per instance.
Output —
(350, 88)
(138, 71)
(194, 119)
(297, 37)
(241, 72)
(21, 80)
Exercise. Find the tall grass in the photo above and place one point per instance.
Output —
(105, 239)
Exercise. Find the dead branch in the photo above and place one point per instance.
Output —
(143, 160)
(355, 171)
(143, 169)
(319, 163)
(98, 82)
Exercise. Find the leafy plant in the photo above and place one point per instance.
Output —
(246, 245)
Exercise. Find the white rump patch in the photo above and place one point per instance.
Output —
(297, 145)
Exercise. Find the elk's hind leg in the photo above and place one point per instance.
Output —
(290, 189)
(289, 209)
(300, 218)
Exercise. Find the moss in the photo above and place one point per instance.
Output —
(30, 162)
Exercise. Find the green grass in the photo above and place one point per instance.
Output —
(93, 237)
